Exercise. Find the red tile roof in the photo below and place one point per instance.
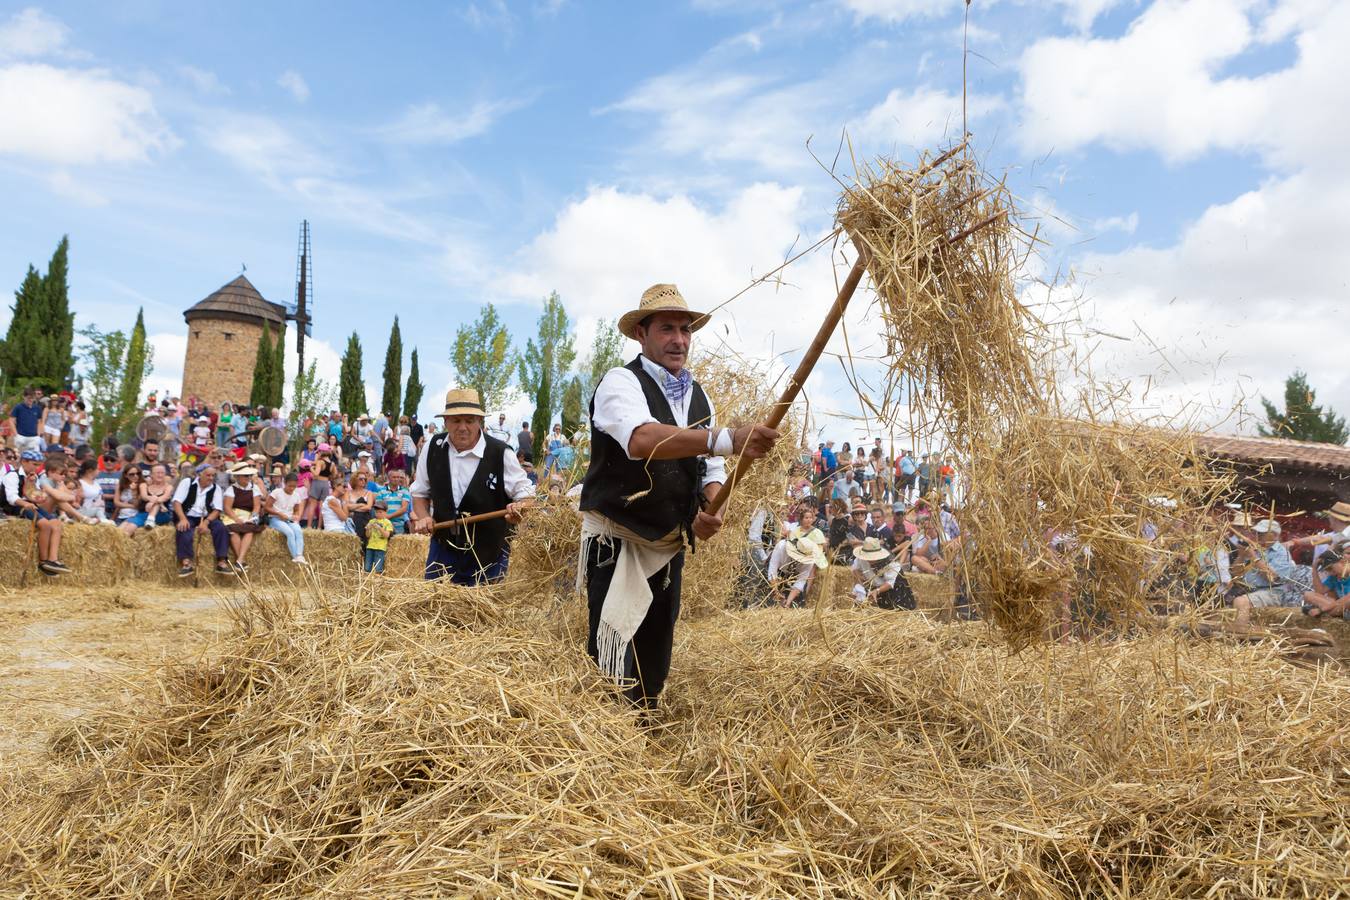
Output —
(1275, 451)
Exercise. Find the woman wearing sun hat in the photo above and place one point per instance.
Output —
(462, 472)
(656, 456)
(793, 565)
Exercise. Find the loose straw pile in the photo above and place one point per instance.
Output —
(1061, 489)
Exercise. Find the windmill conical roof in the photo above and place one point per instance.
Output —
(237, 300)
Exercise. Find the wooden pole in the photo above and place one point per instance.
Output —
(469, 520)
(799, 377)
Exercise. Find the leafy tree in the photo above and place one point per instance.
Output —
(543, 402)
(547, 362)
(1302, 419)
(482, 358)
(311, 396)
(571, 407)
(351, 383)
(140, 362)
(261, 391)
(38, 348)
(606, 353)
(104, 354)
(277, 385)
(412, 397)
(393, 372)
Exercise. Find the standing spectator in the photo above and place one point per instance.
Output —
(881, 487)
(78, 427)
(224, 425)
(19, 497)
(525, 439)
(845, 488)
(908, 476)
(378, 533)
(54, 423)
(415, 429)
(243, 512)
(397, 500)
(407, 444)
(197, 505)
(925, 471)
(393, 455)
(26, 419)
(6, 427)
(364, 464)
(282, 515)
(500, 431)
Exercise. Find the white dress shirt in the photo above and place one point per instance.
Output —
(198, 509)
(502, 433)
(463, 464)
(621, 408)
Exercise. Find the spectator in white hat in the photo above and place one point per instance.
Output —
(793, 566)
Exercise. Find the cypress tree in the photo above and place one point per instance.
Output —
(277, 391)
(20, 352)
(58, 320)
(134, 372)
(543, 410)
(351, 384)
(571, 407)
(393, 372)
(259, 394)
(412, 397)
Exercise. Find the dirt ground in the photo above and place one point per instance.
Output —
(65, 651)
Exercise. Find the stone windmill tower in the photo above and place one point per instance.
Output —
(222, 347)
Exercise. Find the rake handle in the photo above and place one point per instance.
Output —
(469, 520)
(794, 385)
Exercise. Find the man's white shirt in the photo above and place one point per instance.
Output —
(621, 408)
(198, 509)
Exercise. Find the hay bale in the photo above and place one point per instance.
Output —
(97, 554)
(933, 594)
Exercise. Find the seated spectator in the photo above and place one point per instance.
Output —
(1269, 574)
(360, 503)
(397, 500)
(19, 496)
(879, 525)
(197, 507)
(878, 578)
(283, 514)
(157, 498)
(792, 567)
(365, 464)
(333, 510)
(242, 507)
(127, 500)
(845, 488)
(91, 508)
(839, 525)
(805, 526)
(378, 532)
(929, 548)
(53, 482)
(1330, 595)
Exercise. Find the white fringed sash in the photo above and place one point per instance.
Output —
(629, 595)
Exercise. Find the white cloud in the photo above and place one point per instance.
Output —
(1079, 13)
(203, 81)
(920, 117)
(31, 33)
(429, 124)
(1160, 87)
(63, 184)
(72, 117)
(294, 83)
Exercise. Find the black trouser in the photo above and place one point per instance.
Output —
(648, 661)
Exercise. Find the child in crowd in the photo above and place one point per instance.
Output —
(378, 532)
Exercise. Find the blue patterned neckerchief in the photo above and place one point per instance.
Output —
(677, 386)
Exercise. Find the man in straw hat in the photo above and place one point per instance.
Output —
(877, 576)
(463, 472)
(656, 457)
(795, 561)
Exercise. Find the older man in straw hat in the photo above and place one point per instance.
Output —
(656, 457)
(464, 472)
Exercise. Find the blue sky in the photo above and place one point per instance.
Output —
(1182, 156)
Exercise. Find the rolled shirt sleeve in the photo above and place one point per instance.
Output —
(421, 486)
(517, 483)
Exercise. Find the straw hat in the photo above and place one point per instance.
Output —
(805, 550)
(243, 471)
(1340, 511)
(1267, 526)
(462, 402)
(872, 550)
(659, 298)
(1241, 520)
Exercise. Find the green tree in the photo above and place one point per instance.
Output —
(276, 390)
(539, 422)
(263, 362)
(311, 396)
(571, 407)
(606, 353)
(546, 362)
(351, 382)
(393, 372)
(1302, 419)
(412, 397)
(38, 348)
(104, 355)
(140, 362)
(482, 358)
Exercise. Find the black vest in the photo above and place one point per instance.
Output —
(12, 509)
(191, 498)
(671, 489)
(486, 493)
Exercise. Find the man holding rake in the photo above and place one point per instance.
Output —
(656, 460)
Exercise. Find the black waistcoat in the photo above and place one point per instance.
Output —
(191, 498)
(671, 489)
(486, 493)
(12, 509)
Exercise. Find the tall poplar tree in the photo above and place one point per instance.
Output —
(261, 391)
(20, 351)
(543, 403)
(59, 321)
(39, 347)
(139, 363)
(547, 361)
(393, 372)
(351, 383)
(412, 397)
